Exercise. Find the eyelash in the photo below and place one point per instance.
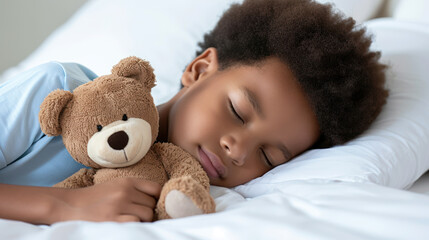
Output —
(266, 158)
(234, 112)
(236, 115)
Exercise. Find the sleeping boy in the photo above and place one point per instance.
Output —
(273, 79)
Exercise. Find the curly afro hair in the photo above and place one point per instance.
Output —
(326, 51)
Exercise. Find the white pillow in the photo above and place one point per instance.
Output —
(104, 31)
(395, 150)
(412, 10)
(359, 10)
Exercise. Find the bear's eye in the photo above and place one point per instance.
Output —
(124, 118)
(99, 127)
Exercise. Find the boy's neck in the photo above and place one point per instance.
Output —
(164, 111)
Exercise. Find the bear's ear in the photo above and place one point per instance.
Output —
(50, 110)
(136, 68)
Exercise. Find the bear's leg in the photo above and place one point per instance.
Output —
(182, 197)
(83, 178)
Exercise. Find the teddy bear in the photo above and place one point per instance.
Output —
(110, 125)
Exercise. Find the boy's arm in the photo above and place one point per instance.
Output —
(121, 200)
(20, 98)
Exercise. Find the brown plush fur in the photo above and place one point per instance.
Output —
(109, 101)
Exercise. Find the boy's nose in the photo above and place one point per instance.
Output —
(236, 149)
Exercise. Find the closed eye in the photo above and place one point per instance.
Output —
(266, 159)
(234, 112)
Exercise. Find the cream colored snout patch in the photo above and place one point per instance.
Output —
(120, 143)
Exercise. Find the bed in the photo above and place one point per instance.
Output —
(373, 187)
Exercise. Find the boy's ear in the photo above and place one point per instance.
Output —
(203, 65)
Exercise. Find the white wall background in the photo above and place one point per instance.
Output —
(24, 24)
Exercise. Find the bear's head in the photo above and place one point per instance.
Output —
(109, 122)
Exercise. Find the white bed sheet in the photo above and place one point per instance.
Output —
(304, 209)
(421, 185)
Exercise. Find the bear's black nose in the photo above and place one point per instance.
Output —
(118, 140)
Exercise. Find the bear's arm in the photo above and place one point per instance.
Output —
(83, 178)
(177, 162)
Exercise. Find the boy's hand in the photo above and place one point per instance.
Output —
(119, 200)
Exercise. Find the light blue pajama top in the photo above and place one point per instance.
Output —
(27, 156)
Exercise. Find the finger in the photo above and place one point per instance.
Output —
(145, 214)
(142, 198)
(128, 218)
(148, 187)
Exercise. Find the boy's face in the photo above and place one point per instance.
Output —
(243, 121)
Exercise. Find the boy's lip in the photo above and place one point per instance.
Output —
(211, 163)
